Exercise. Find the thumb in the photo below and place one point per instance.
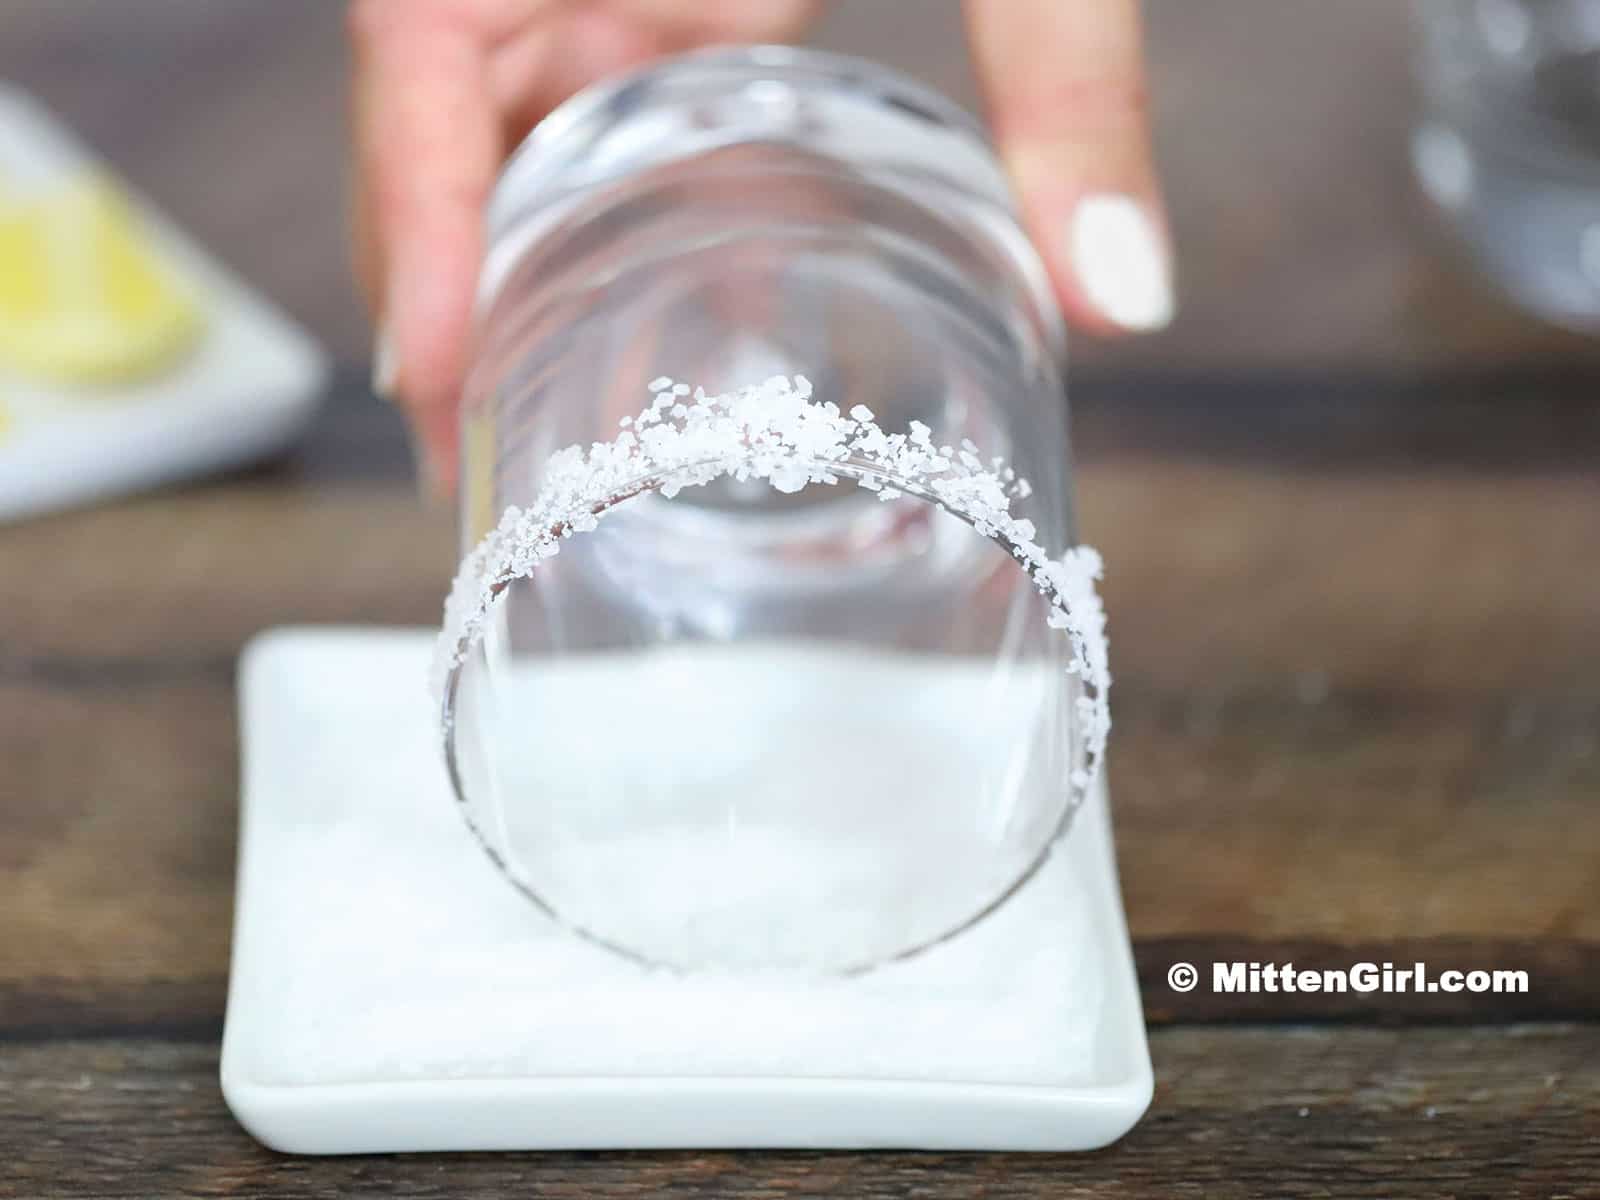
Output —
(427, 149)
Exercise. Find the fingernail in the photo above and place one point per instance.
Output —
(385, 366)
(1120, 261)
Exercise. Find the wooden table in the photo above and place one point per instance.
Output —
(1351, 507)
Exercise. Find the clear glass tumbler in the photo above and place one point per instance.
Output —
(793, 715)
(1509, 143)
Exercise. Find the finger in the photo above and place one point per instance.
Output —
(726, 20)
(553, 58)
(427, 148)
(1063, 81)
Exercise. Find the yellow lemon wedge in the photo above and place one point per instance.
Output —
(83, 297)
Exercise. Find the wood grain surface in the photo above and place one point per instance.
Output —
(1357, 641)
(1281, 1112)
(1357, 698)
(1351, 510)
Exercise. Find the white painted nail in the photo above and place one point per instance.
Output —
(385, 366)
(1121, 262)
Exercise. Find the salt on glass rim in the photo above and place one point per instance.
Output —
(775, 431)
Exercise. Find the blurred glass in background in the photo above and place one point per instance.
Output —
(1508, 145)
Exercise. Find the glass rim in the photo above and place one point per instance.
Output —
(1082, 756)
(775, 432)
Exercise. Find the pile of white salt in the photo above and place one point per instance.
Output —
(377, 943)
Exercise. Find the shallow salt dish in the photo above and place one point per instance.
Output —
(390, 992)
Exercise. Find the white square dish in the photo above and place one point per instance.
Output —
(250, 385)
(390, 992)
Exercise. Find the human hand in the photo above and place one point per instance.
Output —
(445, 89)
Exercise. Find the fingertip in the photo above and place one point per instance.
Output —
(432, 457)
(428, 322)
(1065, 90)
(1106, 248)
(385, 363)
(436, 466)
(433, 437)
(428, 146)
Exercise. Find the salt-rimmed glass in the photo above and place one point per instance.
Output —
(803, 686)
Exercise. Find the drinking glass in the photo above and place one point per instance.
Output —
(1509, 143)
(815, 713)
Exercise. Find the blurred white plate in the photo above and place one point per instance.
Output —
(247, 388)
(390, 992)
